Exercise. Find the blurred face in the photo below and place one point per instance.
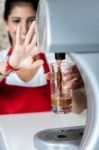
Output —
(22, 15)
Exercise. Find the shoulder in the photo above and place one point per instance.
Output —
(3, 54)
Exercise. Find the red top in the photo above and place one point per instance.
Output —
(17, 99)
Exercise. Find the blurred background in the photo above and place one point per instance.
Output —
(3, 34)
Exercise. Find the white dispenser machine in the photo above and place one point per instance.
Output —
(72, 26)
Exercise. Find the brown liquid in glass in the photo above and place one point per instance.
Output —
(59, 79)
(61, 101)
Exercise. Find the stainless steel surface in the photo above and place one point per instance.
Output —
(73, 27)
(18, 130)
(68, 25)
(56, 139)
(88, 66)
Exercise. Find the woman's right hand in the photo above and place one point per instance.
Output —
(23, 55)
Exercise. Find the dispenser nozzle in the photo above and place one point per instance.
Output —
(59, 56)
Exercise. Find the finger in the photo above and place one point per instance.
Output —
(74, 68)
(30, 34)
(18, 35)
(69, 84)
(37, 64)
(71, 76)
(73, 84)
(77, 84)
(35, 51)
(50, 76)
(33, 42)
(47, 76)
(32, 45)
(71, 69)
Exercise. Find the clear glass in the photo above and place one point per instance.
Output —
(61, 99)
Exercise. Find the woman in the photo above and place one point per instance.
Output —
(22, 90)
(23, 87)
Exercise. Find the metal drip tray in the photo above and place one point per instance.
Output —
(55, 139)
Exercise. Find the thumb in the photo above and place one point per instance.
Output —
(50, 76)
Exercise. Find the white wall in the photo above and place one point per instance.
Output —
(3, 34)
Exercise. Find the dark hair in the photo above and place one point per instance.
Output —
(10, 4)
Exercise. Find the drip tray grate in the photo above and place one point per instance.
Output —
(62, 134)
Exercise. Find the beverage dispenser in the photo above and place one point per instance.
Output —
(72, 27)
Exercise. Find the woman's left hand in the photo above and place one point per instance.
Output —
(23, 55)
(72, 78)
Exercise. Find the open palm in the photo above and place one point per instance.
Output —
(23, 54)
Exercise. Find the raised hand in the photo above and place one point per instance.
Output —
(24, 53)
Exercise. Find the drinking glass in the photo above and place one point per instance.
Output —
(61, 99)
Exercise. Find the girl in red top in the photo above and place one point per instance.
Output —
(23, 87)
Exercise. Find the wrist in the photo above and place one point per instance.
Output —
(6, 68)
(9, 66)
